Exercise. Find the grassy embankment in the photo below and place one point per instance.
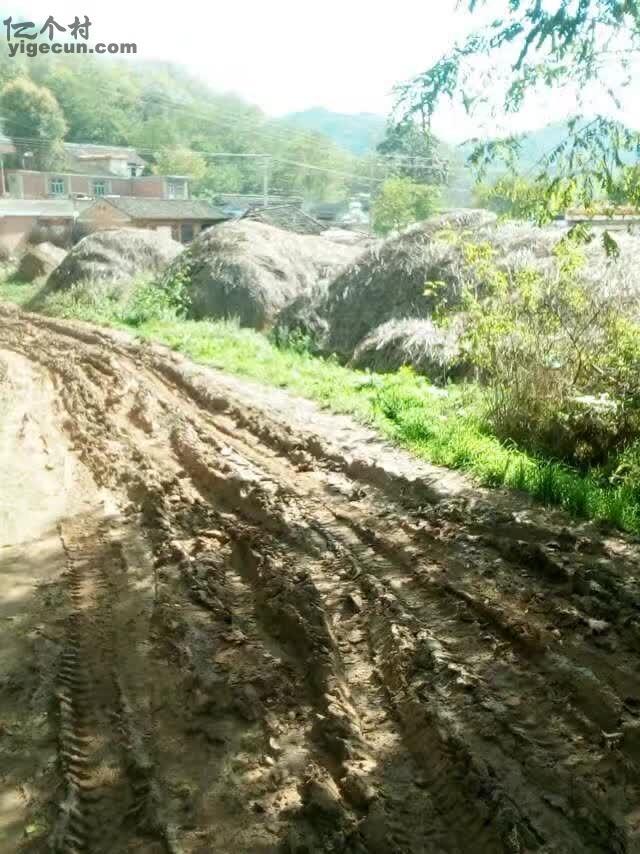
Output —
(445, 428)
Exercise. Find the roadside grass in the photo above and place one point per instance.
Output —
(441, 426)
(17, 293)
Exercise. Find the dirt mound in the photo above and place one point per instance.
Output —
(250, 270)
(373, 655)
(39, 261)
(116, 257)
(431, 350)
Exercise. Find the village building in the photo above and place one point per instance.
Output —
(51, 205)
(611, 218)
(35, 220)
(180, 219)
(287, 217)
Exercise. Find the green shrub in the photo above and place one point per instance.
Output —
(559, 359)
(97, 302)
(292, 339)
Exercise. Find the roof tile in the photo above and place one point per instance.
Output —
(165, 209)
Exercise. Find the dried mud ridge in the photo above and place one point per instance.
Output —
(270, 646)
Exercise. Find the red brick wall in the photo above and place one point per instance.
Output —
(150, 188)
(121, 187)
(34, 185)
(79, 184)
(104, 215)
(14, 231)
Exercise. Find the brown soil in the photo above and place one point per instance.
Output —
(232, 623)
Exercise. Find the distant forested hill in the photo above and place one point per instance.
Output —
(168, 114)
(535, 144)
(358, 133)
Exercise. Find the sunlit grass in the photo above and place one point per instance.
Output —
(444, 427)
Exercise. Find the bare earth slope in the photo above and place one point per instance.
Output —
(232, 623)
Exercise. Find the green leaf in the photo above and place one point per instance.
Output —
(610, 245)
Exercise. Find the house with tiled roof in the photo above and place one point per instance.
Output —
(90, 172)
(289, 217)
(182, 219)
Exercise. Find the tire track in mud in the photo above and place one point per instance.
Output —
(108, 781)
(500, 810)
(98, 793)
(367, 677)
(463, 808)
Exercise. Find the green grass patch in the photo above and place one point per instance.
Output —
(17, 292)
(441, 426)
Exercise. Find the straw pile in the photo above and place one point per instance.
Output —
(250, 270)
(117, 257)
(39, 261)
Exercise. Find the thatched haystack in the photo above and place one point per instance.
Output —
(389, 281)
(39, 261)
(386, 282)
(59, 235)
(458, 219)
(115, 257)
(429, 349)
(250, 270)
(304, 318)
(365, 313)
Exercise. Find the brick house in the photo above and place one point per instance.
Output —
(181, 219)
(92, 172)
(31, 184)
(89, 170)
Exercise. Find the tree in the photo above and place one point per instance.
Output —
(414, 152)
(221, 177)
(32, 118)
(402, 201)
(519, 198)
(627, 191)
(180, 160)
(310, 165)
(584, 45)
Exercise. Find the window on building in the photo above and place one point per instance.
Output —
(186, 232)
(176, 190)
(56, 187)
(99, 188)
(133, 169)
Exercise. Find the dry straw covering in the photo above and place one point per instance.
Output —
(39, 261)
(250, 270)
(117, 256)
(375, 311)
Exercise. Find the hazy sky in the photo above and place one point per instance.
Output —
(282, 55)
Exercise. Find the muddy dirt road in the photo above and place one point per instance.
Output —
(231, 623)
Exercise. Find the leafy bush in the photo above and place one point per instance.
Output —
(518, 198)
(560, 357)
(140, 303)
(401, 202)
(292, 339)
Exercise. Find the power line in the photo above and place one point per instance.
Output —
(234, 121)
